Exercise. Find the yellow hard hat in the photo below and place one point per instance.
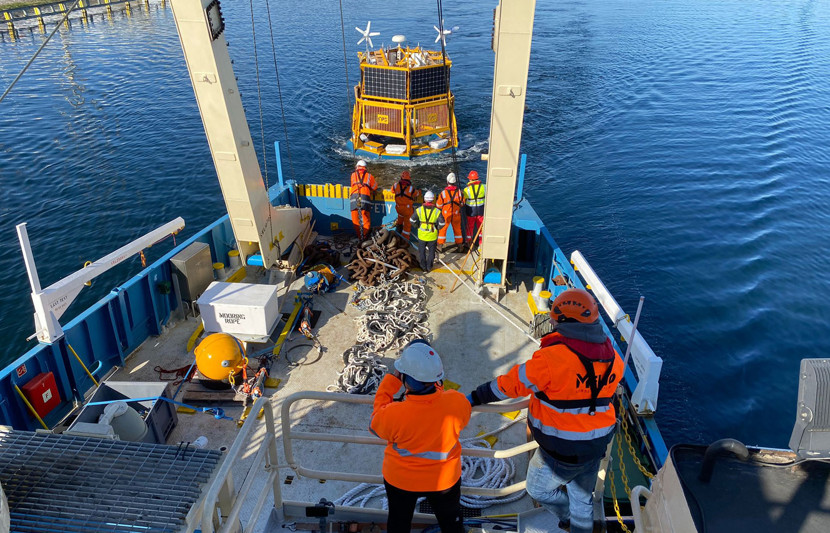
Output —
(218, 356)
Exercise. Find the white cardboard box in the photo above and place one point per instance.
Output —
(239, 308)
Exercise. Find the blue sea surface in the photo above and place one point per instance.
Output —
(682, 146)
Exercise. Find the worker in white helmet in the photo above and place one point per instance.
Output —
(451, 204)
(423, 454)
(428, 220)
(363, 186)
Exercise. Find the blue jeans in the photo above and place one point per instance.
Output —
(546, 481)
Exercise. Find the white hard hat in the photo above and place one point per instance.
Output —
(429, 196)
(420, 361)
(361, 163)
(451, 178)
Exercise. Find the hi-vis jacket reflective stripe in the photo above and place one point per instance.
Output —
(362, 186)
(560, 394)
(423, 453)
(474, 194)
(429, 220)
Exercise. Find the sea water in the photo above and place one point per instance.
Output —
(682, 146)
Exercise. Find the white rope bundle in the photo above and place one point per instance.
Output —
(396, 315)
(494, 474)
(362, 373)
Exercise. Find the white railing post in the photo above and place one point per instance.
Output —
(646, 362)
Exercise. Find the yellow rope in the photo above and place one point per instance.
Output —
(88, 373)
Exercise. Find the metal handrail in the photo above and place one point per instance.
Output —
(288, 435)
(223, 482)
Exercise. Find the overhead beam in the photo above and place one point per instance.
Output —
(257, 226)
(512, 36)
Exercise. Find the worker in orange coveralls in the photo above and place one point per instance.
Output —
(405, 194)
(451, 204)
(423, 454)
(363, 185)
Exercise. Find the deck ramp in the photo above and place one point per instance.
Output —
(73, 484)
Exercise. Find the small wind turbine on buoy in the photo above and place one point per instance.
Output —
(442, 36)
(367, 36)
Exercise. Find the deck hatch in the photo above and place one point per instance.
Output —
(74, 484)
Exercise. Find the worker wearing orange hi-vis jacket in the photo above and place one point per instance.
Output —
(423, 454)
(571, 381)
(451, 204)
(405, 194)
(363, 185)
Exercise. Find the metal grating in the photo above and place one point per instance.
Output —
(382, 119)
(73, 484)
(434, 117)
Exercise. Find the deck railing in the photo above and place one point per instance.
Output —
(221, 495)
(289, 435)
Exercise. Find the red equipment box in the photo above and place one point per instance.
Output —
(42, 393)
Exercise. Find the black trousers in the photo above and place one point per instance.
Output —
(445, 504)
(426, 254)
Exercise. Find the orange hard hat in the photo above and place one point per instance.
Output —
(472, 176)
(575, 304)
(405, 175)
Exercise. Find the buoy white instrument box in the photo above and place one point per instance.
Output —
(239, 308)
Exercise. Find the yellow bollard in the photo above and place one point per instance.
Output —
(10, 24)
(41, 26)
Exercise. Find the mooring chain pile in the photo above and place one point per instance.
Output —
(362, 373)
(480, 472)
(385, 256)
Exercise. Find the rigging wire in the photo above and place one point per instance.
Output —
(279, 92)
(25, 68)
(262, 132)
(346, 65)
(450, 100)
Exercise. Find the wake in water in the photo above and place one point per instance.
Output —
(472, 152)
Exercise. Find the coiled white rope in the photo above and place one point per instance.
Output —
(362, 373)
(479, 472)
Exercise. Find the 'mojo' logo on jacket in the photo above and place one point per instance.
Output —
(582, 381)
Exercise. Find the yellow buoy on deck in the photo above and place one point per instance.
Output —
(219, 356)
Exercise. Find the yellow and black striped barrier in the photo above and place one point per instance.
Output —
(330, 190)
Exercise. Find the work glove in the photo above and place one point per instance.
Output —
(473, 399)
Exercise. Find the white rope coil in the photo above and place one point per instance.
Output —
(362, 373)
(479, 472)
(395, 315)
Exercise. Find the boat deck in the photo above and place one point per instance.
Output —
(475, 343)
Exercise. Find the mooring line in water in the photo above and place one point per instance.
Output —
(58, 25)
